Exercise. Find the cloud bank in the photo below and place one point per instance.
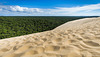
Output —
(86, 10)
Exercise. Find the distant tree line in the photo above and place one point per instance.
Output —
(11, 26)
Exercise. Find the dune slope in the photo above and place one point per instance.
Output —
(79, 38)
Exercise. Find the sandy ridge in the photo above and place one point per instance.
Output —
(79, 38)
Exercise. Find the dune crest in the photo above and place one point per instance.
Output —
(79, 38)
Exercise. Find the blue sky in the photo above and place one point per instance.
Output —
(49, 7)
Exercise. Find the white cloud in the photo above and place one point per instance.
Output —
(20, 9)
(0, 9)
(77, 8)
(17, 8)
(24, 9)
(66, 11)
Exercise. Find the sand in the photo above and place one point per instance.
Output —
(79, 38)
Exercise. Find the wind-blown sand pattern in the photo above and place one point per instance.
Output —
(79, 38)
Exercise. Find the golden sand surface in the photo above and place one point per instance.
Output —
(79, 38)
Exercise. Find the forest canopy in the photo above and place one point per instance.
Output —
(11, 26)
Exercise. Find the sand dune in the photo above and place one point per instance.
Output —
(79, 38)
